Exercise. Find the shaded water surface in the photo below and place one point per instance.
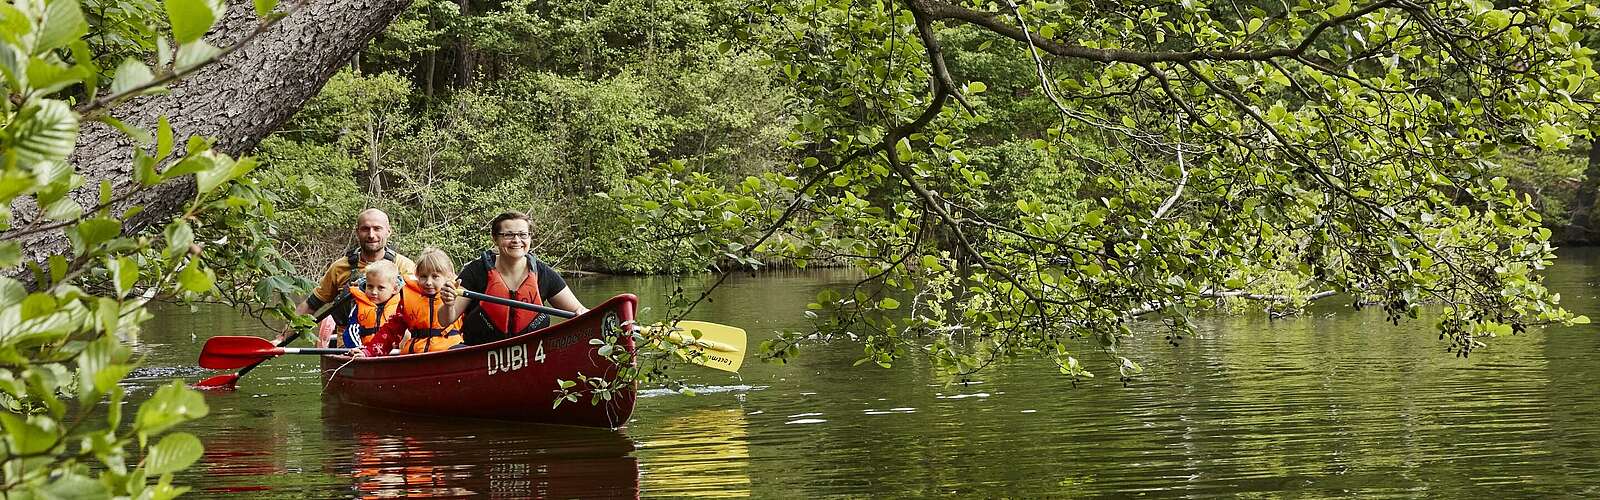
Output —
(1333, 403)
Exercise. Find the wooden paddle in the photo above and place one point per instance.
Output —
(719, 346)
(229, 380)
(228, 351)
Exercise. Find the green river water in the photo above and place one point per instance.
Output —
(1334, 403)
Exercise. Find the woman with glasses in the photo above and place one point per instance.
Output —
(510, 272)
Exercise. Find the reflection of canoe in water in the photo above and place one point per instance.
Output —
(392, 455)
(512, 379)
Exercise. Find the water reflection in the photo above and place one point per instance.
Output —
(1331, 404)
(703, 454)
(394, 455)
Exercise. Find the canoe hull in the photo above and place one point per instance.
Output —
(512, 379)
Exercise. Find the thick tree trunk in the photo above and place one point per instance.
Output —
(236, 101)
(1582, 229)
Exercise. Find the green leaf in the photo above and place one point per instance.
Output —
(1339, 8)
(221, 172)
(45, 130)
(1551, 137)
(976, 87)
(63, 23)
(265, 7)
(125, 272)
(28, 436)
(1497, 20)
(196, 53)
(1094, 218)
(10, 254)
(190, 19)
(98, 230)
(38, 305)
(108, 377)
(130, 75)
(139, 135)
(11, 291)
(163, 137)
(171, 405)
(196, 278)
(106, 312)
(175, 452)
(47, 77)
(1580, 320)
(71, 485)
(93, 359)
(58, 267)
(179, 237)
(889, 303)
(189, 165)
(64, 209)
(14, 24)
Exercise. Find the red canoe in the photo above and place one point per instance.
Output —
(512, 379)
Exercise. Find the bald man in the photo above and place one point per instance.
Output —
(372, 234)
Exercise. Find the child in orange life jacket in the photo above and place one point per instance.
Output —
(376, 300)
(418, 311)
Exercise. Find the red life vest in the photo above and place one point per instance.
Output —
(372, 315)
(510, 320)
(419, 312)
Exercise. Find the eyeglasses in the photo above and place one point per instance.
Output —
(514, 236)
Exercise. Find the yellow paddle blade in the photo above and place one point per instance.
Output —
(722, 345)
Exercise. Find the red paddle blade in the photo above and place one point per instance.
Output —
(225, 381)
(227, 352)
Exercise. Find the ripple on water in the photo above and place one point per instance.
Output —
(704, 389)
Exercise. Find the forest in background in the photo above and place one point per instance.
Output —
(461, 109)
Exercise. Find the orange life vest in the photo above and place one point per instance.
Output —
(355, 277)
(511, 320)
(369, 315)
(419, 311)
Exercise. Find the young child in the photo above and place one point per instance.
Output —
(418, 311)
(376, 300)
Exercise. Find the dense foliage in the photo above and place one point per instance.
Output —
(64, 321)
(1010, 179)
(457, 113)
(1026, 179)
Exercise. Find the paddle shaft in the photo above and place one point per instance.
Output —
(518, 304)
(308, 350)
(676, 336)
(327, 309)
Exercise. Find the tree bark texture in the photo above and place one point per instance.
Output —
(237, 101)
